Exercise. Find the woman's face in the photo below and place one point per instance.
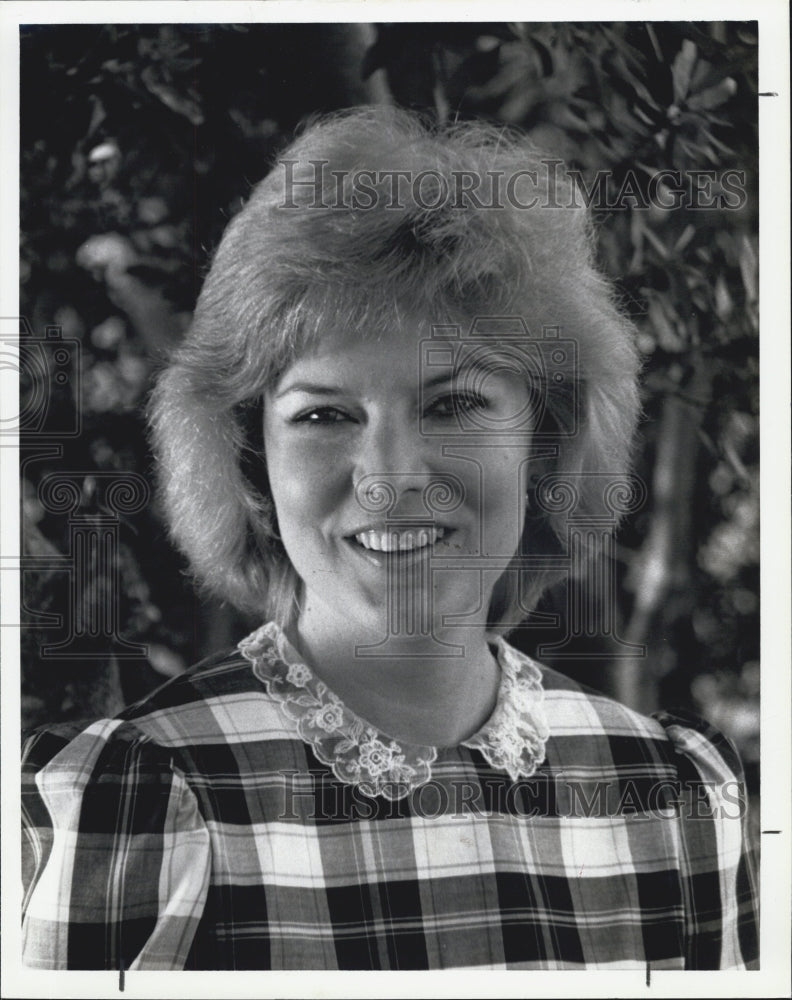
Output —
(398, 475)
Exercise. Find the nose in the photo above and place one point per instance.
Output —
(393, 443)
(394, 467)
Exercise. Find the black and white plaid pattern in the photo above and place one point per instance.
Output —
(198, 831)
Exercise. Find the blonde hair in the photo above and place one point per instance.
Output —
(308, 251)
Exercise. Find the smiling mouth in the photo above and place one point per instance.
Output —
(404, 540)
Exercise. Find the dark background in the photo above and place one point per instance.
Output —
(139, 142)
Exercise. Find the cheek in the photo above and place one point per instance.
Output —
(305, 482)
(503, 501)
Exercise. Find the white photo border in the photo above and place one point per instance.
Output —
(773, 978)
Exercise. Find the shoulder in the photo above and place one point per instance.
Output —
(206, 704)
(588, 723)
(577, 711)
(211, 703)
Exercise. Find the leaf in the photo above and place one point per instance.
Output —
(724, 304)
(685, 237)
(625, 83)
(632, 56)
(656, 242)
(98, 115)
(183, 104)
(713, 97)
(667, 336)
(545, 57)
(682, 69)
(748, 269)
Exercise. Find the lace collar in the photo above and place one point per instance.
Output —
(512, 740)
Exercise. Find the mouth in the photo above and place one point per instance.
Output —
(379, 545)
(406, 540)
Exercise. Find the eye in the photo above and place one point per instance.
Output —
(454, 403)
(321, 415)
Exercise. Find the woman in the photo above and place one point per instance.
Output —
(400, 358)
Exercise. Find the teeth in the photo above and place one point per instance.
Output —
(399, 541)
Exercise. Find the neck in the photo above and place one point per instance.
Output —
(435, 690)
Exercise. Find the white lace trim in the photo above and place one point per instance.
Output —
(512, 740)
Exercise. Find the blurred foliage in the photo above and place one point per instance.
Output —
(138, 143)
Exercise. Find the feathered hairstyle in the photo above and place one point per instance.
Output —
(332, 238)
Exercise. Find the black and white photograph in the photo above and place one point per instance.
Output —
(391, 582)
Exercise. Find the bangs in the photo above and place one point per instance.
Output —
(377, 300)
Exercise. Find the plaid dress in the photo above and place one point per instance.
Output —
(241, 817)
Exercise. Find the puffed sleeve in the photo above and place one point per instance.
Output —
(719, 882)
(116, 855)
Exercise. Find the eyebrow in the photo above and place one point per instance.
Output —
(311, 387)
(316, 389)
(319, 389)
(489, 365)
